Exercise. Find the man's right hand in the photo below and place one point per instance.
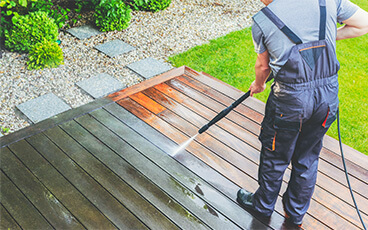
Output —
(256, 88)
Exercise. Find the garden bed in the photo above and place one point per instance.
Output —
(183, 25)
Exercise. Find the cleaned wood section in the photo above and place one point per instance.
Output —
(112, 164)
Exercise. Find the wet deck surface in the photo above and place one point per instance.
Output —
(111, 164)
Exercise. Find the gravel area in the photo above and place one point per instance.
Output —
(185, 24)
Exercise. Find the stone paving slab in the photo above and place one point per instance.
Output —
(83, 32)
(115, 48)
(100, 85)
(43, 107)
(149, 67)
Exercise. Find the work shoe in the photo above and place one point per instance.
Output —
(245, 199)
(290, 220)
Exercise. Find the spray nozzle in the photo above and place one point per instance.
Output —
(203, 129)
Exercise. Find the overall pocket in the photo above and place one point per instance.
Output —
(333, 104)
(289, 110)
(331, 115)
(281, 124)
(268, 137)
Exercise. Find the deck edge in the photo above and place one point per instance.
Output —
(34, 129)
(152, 82)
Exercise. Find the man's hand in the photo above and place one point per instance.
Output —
(255, 88)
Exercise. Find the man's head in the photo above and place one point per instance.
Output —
(266, 2)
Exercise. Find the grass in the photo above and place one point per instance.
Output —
(231, 59)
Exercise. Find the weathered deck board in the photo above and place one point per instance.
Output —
(19, 207)
(6, 220)
(60, 187)
(91, 189)
(111, 164)
(114, 176)
(50, 208)
(121, 148)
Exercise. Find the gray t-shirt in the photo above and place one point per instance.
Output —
(303, 18)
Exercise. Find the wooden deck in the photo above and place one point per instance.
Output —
(110, 164)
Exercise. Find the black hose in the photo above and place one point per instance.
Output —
(346, 171)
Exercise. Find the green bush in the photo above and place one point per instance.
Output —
(58, 13)
(86, 5)
(45, 54)
(112, 15)
(150, 5)
(29, 30)
(11, 8)
(4, 26)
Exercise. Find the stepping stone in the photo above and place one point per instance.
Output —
(83, 32)
(43, 107)
(114, 48)
(149, 67)
(100, 85)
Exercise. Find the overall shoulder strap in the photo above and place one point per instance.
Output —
(277, 21)
(290, 34)
(322, 23)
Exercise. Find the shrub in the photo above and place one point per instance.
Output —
(29, 30)
(86, 5)
(59, 14)
(45, 54)
(112, 15)
(4, 26)
(150, 5)
(11, 8)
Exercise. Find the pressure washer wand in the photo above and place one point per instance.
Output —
(224, 112)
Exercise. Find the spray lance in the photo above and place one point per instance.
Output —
(224, 112)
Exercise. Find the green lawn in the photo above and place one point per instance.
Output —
(231, 59)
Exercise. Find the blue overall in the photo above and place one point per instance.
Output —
(301, 106)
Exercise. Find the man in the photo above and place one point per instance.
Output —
(295, 41)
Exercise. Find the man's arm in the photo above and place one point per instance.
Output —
(355, 26)
(263, 70)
